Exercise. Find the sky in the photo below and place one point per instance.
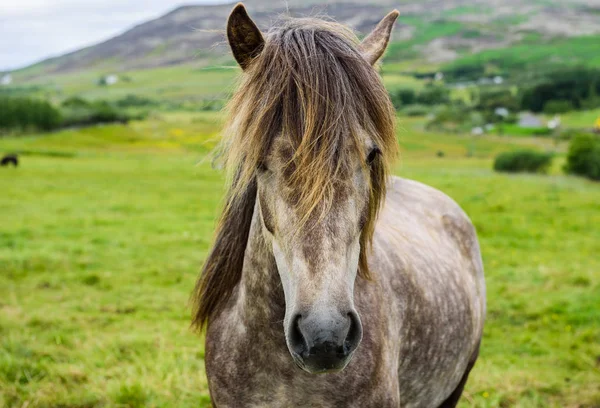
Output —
(32, 30)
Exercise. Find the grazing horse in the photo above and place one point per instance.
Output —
(9, 159)
(323, 263)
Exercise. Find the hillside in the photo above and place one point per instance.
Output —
(434, 31)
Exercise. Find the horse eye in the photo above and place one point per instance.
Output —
(373, 155)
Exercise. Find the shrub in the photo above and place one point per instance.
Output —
(558, 106)
(403, 97)
(571, 133)
(415, 110)
(453, 118)
(79, 112)
(135, 101)
(433, 95)
(75, 102)
(583, 157)
(465, 71)
(20, 113)
(523, 161)
(580, 86)
(488, 100)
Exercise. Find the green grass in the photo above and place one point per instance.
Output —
(103, 231)
(539, 54)
(425, 31)
(182, 82)
(580, 119)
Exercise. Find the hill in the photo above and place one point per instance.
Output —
(434, 31)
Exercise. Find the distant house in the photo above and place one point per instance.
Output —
(502, 112)
(554, 123)
(108, 80)
(529, 120)
(477, 131)
(6, 79)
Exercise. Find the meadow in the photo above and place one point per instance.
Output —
(103, 231)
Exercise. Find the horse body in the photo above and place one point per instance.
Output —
(422, 317)
(331, 283)
(10, 159)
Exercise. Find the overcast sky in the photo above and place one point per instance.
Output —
(31, 30)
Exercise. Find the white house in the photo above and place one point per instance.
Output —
(529, 120)
(554, 123)
(108, 80)
(477, 131)
(502, 112)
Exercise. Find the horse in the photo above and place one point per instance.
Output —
(330, 283)
(10, 159)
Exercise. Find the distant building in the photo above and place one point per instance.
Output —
(112, 79)
(6, 79)
(529, 120)
(554, 123)
(108, 80)
(498, 80)
(477, 131)
(502, 112)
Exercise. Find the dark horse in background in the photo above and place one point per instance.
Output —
(9, 159)
(323, 263)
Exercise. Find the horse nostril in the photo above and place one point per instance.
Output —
(296, 337)
(354, 335)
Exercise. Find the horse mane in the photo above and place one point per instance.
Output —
(311, 84)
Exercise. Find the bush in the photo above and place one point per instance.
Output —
(75, 102)
(583, 157)
(135, 101)
(403, 97)
(572, 133)
(523, 161)
(454, 118)
(415, 110)
(558, 106)
(488, 100)
(79, 112)
(20, 114)
(434, 95)
(465, 71)
(579, 86)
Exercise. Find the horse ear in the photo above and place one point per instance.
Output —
(374, 45)
(244, 37)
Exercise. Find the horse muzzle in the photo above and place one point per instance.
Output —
(324, 343)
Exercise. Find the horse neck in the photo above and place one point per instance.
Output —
(261, 298)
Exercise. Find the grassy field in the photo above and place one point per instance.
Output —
(103, 231)
(575, 51)
(181, 82)
(176, 83)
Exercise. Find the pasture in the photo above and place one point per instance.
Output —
(103, 231)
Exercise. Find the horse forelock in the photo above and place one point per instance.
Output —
(311, 86)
